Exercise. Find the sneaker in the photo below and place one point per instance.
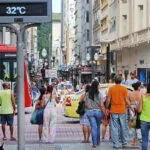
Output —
(117, 147)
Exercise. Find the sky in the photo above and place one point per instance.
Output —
(56, 6)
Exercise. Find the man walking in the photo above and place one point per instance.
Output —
(118, 98)
(7, 110)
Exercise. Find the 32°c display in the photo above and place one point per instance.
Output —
(23, 9)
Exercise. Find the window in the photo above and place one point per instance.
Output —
(140, 12)
(87, 1)
(88, 35)
(104, 3)
(104, 24)
(87, 16)
(124, 23)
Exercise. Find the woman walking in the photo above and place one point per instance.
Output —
(50, 116)
(144, 108)
(84, 120)
(95, 109)
(135, 98)
(39, 106)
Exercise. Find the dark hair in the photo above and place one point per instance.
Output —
(42, 91)
(49, 89)
(118, 79)
(148, 88)
(136, 85)
(87, 88)
(93, 89)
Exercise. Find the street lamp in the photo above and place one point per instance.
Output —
(88, 57)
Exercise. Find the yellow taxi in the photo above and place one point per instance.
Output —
(71, 101)
(71, 104)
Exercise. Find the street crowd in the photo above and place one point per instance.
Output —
(118, 109)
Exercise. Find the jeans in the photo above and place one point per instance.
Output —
(145, 127)
(95, 117)
(118, 129)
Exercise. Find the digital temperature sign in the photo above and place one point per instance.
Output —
(25, 11)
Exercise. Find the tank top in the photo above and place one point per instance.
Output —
(5, 102)
(145, 114)
(51, 103)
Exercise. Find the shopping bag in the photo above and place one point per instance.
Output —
(33, 119)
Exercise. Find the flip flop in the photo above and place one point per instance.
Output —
(13, 139)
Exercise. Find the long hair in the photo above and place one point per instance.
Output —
(87, 88)
(49, 89)
(42, 91)
(94, 89)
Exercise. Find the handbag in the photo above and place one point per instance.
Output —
(81, 108)
(33, 119)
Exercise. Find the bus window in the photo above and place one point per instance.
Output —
(14, 71)
(6, 71)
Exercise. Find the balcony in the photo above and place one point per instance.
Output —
(96, 5)
(104, 3)
(104, 24)
(132, 39)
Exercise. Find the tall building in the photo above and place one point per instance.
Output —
(56, 37)
(68, 32)
(131, 44)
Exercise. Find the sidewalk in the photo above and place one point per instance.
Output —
(65, 146)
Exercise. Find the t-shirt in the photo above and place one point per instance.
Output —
(98, 98)
(131, 81)
(118, 93)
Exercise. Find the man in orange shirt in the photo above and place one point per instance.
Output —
(118, 97)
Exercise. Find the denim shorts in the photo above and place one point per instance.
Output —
(40, 116)
(7, 118)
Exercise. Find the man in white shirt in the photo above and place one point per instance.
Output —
(132, 80)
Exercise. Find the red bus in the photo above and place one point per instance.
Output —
(8, 71)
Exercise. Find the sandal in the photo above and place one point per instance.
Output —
(13, 139)
(4, 138)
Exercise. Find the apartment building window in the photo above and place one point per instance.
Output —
(87, 16)
(124, 23)
(104, 24)
(124, 1)
(103, 4)
(140, 12)
(96, 36)
(88, 35)
(87, 1)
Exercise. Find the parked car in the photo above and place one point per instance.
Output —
(71, 101)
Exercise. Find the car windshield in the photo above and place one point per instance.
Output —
(68, 86)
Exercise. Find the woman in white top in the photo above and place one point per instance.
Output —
(50, 116)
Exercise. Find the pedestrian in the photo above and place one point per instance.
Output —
(144, 109)
(118, 97)
(86, 129)
(95, 108)
(39, 106)
(135, 98)
(7, 111)
(50, 116)
(131, 80)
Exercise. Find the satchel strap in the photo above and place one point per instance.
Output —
(47, 102)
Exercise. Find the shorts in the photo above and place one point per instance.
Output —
(40, 116)
(7, 118)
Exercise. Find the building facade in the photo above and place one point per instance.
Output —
(131, 45)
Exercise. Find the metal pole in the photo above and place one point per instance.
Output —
(20, 91)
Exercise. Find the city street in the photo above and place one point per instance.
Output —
(69, 135)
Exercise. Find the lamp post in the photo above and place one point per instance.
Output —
(44, 54)
(88, 57)
(96, 57)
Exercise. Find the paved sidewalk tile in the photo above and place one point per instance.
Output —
(67, 146)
